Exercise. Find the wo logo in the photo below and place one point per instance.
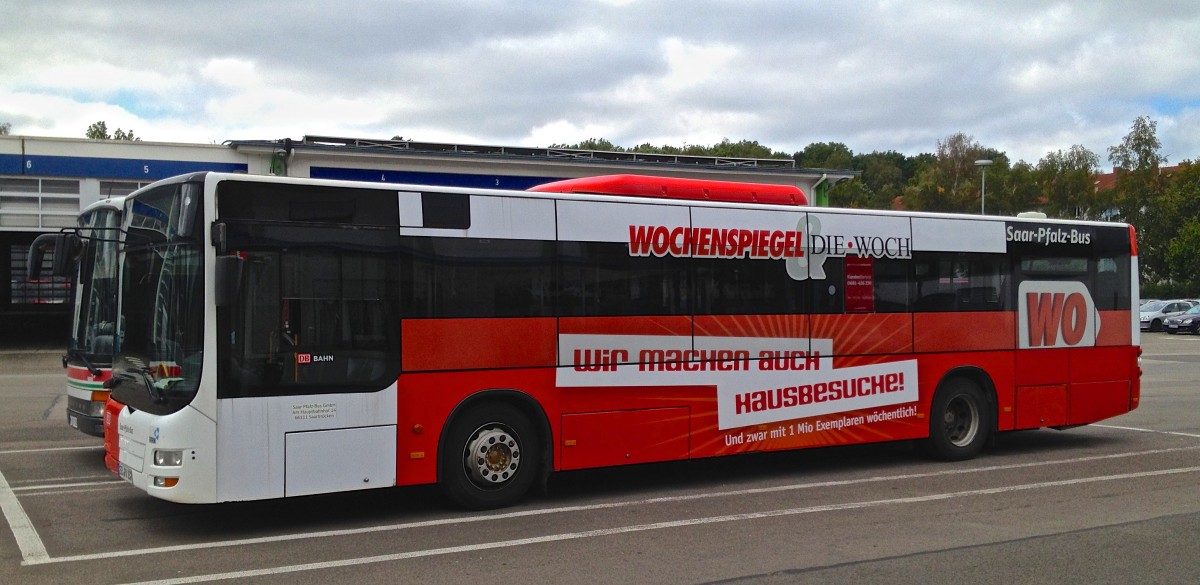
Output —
(1056, 314)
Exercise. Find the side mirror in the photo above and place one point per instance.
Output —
(63, 246)
(228, 280)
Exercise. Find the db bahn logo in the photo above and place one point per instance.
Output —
(1056, 314)
(309, 358)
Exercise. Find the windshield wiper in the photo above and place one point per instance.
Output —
(143, 374)
(78, 354)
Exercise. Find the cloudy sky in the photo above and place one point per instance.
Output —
(1024, 77)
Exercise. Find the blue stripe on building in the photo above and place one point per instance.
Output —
(438, 179)
(10, 164)
(108, 168)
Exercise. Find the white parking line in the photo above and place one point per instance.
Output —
(59, 486)
(32, 549)
(1178, 434)
(648, 527)
(48, 449)
(584, 508)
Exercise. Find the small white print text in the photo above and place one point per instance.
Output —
(818, 425)
(315, 410)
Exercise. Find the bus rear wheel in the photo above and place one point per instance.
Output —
(490, 457)
(960, 421)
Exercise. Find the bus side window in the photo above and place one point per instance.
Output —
(1111, 290)
(602, 279)
(957, 281)
(446, 278)
(894, 287)
(746, 287)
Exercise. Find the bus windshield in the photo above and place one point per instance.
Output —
(96, 291)
(159, 346)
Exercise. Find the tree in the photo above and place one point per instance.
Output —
(742, 149)
(1137, 161)
(602, 144)
(956, 155)
(883, 170)
(99, 131)
(926, 191)
(854, 194)
(1183, 254)
(1016, 191)
(949, 181)
(1139, 187)
(1010, 189)
(825, 155)
(1067, 181)
(1138, 151)
(1180, 205)
(647, 148)
(5, 128)
(883, 177)
(723, 149)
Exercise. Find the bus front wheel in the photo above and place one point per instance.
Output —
(960, 421)
(490, 458)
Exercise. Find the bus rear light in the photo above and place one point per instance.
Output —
(165, 482)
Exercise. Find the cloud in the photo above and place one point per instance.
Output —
(1024, 77)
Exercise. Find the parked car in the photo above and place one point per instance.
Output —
(1189, 321)
(1154, 315)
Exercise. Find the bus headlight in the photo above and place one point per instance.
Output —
(95, 407)
(168, 458)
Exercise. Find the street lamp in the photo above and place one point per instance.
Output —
(983, 164)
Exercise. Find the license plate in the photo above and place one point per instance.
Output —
(73, 421)
(125, 473)
(1173, 326)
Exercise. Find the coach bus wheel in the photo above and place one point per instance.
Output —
(959, 421)
(490, 458)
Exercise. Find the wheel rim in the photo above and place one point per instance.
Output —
(493, 456)
(961, 421)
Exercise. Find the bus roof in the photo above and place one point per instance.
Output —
(677, 188)
(112, 202)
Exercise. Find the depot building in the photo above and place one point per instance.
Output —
(45, 183)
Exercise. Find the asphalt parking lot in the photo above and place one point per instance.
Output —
(1108, 503)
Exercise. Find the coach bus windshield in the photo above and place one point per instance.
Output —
(96, 291)
(159, 346)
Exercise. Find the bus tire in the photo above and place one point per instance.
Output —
(490, 457)
(960, 421)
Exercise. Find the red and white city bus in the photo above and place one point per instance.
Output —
(282, 337)
(88, 255)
